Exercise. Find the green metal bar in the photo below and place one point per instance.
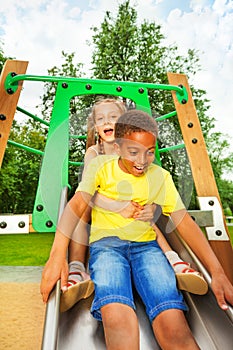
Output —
(172, 148)
(166, 116)
(36, 151)
(11, 84)
(76, 163)
(26, 148)
(79, 137)
(32, 116)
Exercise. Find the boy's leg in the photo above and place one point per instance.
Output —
(120, 327)
(113, 301)
(172, 331)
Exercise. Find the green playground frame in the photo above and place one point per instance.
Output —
(54, 170)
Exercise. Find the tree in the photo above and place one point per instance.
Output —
(124, 50)
(20, 170)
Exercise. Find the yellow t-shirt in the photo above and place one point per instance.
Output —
(104, 175)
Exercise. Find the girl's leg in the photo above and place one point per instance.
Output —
(120, 327)
(188, 279)
(79, 283)
(172, 331)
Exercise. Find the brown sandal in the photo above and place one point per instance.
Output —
(76, 291)
(191, 280)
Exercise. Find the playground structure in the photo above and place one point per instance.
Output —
(212, 327)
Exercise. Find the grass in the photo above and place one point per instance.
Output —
(32, 249)
(230, 229)
(25, 249)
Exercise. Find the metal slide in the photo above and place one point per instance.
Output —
(76, 329)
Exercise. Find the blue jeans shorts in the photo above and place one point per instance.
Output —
(116, 265)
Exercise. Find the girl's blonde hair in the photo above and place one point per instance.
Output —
(91, 132)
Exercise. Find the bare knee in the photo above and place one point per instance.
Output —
(172, 331)
(120, 327)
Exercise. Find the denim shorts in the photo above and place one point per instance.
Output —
(116, 266)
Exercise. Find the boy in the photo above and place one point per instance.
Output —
(123, 250)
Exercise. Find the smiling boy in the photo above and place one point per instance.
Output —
(124, 251)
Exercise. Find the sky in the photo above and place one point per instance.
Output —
(38, 31)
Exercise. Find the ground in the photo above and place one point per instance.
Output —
(21, 315)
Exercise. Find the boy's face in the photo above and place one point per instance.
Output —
(136, 152)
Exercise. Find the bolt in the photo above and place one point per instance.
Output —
(190, 125)
(88, 87)
(49, 223)
(119, 88)
(10, 91)
(39, 207)
(3, 224)
(2, 117)
(194, 141)
(141, 90)
(64, 85)
(218, 233)
(21, 224)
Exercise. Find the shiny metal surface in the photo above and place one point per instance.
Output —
(76, 329)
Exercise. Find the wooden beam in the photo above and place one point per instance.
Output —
(8, 103)
(202, 171)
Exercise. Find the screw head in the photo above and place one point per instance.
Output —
(49, 223)
(218, 233)
(3, 224)
(39, 207)
(21, 224)
(64, 85)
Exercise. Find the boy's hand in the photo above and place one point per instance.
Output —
(223, 290)
(55, 269)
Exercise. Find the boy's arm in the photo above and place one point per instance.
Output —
(195, 238)
(56, 267)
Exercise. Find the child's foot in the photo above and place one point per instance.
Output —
(80, 286)
(189, 279)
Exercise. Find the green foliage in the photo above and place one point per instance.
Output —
(128, 51)
(20, 169)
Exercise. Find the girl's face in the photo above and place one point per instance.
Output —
(106, 115)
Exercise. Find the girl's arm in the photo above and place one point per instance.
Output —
(196, 240)
(128, 209)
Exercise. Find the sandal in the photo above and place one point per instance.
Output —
(190, 280)
(76, 290)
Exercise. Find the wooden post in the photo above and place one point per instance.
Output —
(200, 164)
(8, 103)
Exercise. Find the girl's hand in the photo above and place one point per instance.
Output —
(146, 213)
(130, 209)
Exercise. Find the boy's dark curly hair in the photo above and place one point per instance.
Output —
(135, 121)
